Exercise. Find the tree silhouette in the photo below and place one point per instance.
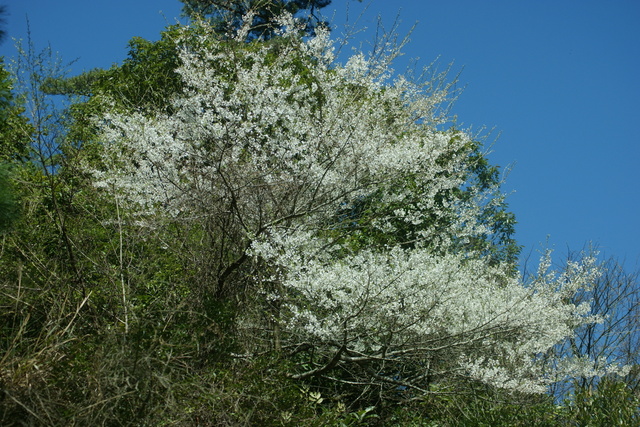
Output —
(3, 21)
(228, 15)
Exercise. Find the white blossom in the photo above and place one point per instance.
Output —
(279, 139)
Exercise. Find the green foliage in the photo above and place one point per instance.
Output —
(9, 208)
(15, 132)
(110, 318)
(352, 223)
(5, 89)
(476, 406)
(498, 244)
(146, 79)
(14, 147)
(81, 85)
(358, 418)
(610, 403)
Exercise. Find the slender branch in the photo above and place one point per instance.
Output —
(321, 370)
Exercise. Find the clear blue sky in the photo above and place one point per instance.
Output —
(558, 79)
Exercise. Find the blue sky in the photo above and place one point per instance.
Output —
(557, 79)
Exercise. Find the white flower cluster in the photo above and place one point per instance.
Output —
(387, 304)
(278, 137)
(281, 124)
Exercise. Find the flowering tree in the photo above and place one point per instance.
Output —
(343, 202)
(614, 297)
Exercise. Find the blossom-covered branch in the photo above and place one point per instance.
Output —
(346, 203)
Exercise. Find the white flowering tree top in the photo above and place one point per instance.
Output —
(305, 168)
